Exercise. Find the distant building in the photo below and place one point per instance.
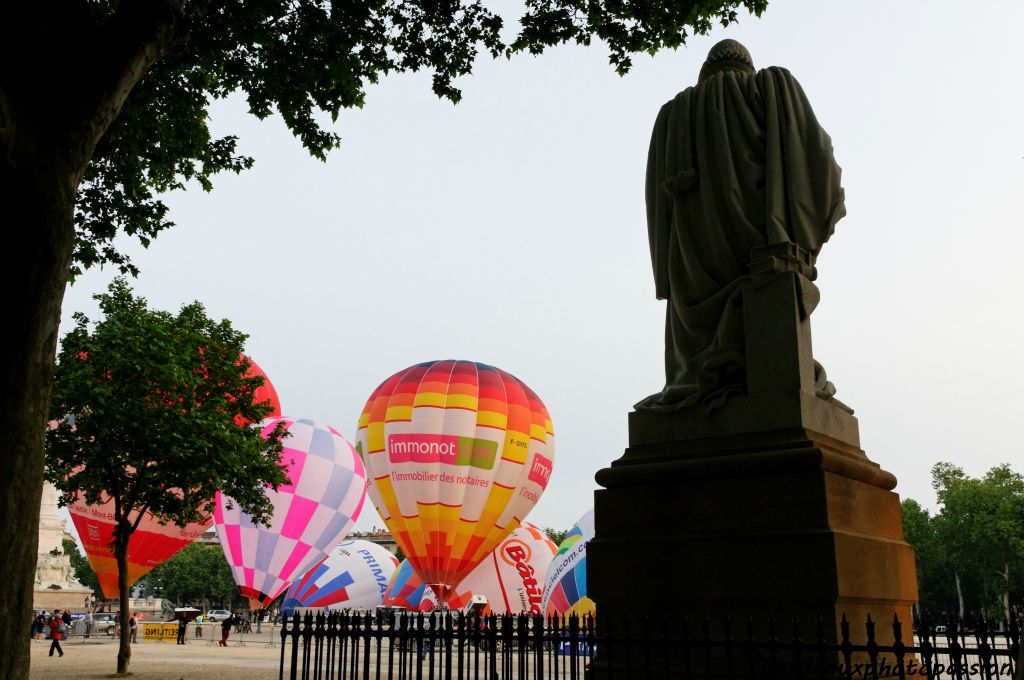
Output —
(381, 537)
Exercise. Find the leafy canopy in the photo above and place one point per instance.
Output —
(556, 535)
(976, 537)
(307, 60)
(195, 575)
(149, 409)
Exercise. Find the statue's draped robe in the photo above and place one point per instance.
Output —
(738, 161)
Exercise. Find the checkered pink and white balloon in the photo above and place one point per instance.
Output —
(311, 515)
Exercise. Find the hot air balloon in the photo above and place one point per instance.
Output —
(565, 585)
(458, 453)
(152, 542)
(265, 392)
(511, 578)
(354, 576)
(311, 515)
(406, 589)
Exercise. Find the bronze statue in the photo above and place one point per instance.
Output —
(738, 165)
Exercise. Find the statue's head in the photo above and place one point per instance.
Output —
(727, 55)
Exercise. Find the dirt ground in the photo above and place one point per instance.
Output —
(159, 660)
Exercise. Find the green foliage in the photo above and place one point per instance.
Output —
(198, 574)
(148, 405)
(399, 555)
(307, 60)
(556, 535)
(83, 570)
(978, 537)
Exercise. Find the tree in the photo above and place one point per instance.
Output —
(936, 594)
(982, 524)
(151, 411)
(969, 555)
(83, 570)
(556, 535)
(103, 106)
(196, 574)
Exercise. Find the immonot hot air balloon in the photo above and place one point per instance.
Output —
(458, 453)
(565, 586)
(511, 578)
(311, 515)
(354, 576)
(152, 542)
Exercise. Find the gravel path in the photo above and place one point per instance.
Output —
(158, 660)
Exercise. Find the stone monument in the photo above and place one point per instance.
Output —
(745, 473)
(55, 586)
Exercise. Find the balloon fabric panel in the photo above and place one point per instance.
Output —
(458, 453)
(310, 516)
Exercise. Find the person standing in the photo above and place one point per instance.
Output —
(133, 629)
(182, 627)
(225, 629)
(199, 626)
(57, 631)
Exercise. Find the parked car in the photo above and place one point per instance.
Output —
(217, 615)
(101, 623)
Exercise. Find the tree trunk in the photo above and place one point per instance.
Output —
(63, 81)
(36, 203)
(959, 595)
(124, 651)
(1006, 595)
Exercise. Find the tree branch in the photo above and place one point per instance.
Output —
(138, 34)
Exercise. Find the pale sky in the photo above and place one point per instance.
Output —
(510, 230)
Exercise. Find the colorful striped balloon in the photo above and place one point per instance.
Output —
(354, 576)
(405, 589)
(458, 453)
(565, 585)
(311, 515)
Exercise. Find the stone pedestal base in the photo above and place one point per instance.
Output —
(49, 599)
(784, 522)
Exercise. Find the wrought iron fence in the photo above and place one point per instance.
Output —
(447, 646)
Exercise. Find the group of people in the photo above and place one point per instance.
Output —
(225, 628)
(53, 626)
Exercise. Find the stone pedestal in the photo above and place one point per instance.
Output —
(766, 506)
